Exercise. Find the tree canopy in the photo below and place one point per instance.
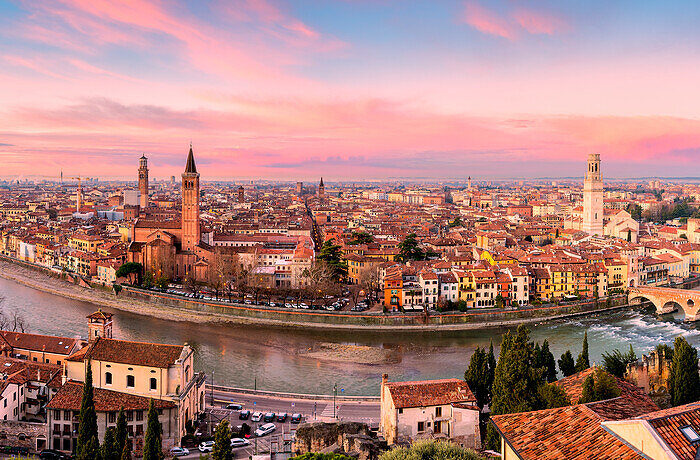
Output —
(616, 362)
(582, 362)
(332, 256)
(599, 386)
(88, 447)
(684, 381)
(410, 250)
(566, 364)
(430, 449)
(153, 441)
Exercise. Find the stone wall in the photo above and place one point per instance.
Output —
(23, 434)
(350, 438)
(650, 373)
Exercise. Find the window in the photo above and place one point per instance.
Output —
(57, 414)
(139, 415)
(421, 426)
(66, 415)
(130, 381)
(108, 378)
(438, 411)
(690, 433)
(154, 383)
(129, 416)
(400, 411)
(139, 430)
(112, 417)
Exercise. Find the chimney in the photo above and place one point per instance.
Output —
(385, 379)
(38, 375)
(64, 376)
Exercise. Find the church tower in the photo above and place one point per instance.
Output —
(143, 181)
(593, 197)
(99, 325)
(190, 204)
(321, 190)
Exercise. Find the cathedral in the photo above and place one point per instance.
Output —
(172, 248)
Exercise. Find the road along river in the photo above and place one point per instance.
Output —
(302, 361)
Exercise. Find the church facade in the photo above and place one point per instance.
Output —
(174, 248)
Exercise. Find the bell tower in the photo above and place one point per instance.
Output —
(593, 197)
(143, 181)
(190, 204)
(99, 325)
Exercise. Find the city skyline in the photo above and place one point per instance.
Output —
(349, 90)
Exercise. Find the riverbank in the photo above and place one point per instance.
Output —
(177, 308)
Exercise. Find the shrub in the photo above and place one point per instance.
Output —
(428, 449)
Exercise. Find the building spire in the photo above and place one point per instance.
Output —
(190, 166)
(321, 184)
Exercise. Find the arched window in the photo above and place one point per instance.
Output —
(154, 384)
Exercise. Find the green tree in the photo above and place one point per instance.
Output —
(599, 386)
(321, 456)
(587, 390)
(515, 380)
(110, 450)
(222, 442)
(616, 362)
(361, 238)
(566, 364)
(410, 250)
(492, 368)
(477, 376)
(131, 270)
(121, 434)
(553, 396)
(88, 447)
(332, 256)
(153, 441)
(582, 362)
(429, 450)
(684, 381)
(547, 360)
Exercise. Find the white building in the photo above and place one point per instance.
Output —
(429, 409)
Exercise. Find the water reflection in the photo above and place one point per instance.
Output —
(273, 358)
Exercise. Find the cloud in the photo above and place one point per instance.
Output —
(513, 23)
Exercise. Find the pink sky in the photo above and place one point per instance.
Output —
(347, 89)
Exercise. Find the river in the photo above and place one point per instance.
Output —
(268, 359)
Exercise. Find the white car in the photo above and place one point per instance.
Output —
(257, 416)
(239, 442)
(206, 446)
(179, 452)
(265, 429)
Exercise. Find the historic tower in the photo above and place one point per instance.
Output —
(593, 197)
(99, 325)
(241, 194)
(143, 181)
(190, 205)
(321, 190)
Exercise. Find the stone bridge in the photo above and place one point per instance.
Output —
(667, 300)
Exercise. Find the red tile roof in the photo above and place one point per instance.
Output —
(429, 393)
(36, 342)
(70, 397)
(136, 353)
(572, 433)
(667, 424)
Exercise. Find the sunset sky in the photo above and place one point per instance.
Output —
(350, 89)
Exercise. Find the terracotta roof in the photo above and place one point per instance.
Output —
(36, 342)
(667, 424)
(429, 393)
(136, 353)
(572, 433)
(70, 397)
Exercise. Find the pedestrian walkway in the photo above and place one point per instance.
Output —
(327, 412)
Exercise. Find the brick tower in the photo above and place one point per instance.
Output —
(190, 205)
(143, 181)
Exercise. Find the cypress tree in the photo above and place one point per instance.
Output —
(684, 381)
(153, 442)
(88, 446)
(547, 360)
(587, 390)
(222, 442)
(120, 434)
(582, 362)
(566, 364)
(492, 369)
(477, 376)
(126, 452)
(110, 450)
(515, 384)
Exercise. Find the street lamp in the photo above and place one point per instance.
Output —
(335, 393)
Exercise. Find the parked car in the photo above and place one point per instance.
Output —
(239, 442)
(269, 417)
(206, 446)
(282, 417)
(244, 415)
(257, 416)
(179, 452)
(265, 429)
(53, 454)
(234, 406)
(296, 418)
